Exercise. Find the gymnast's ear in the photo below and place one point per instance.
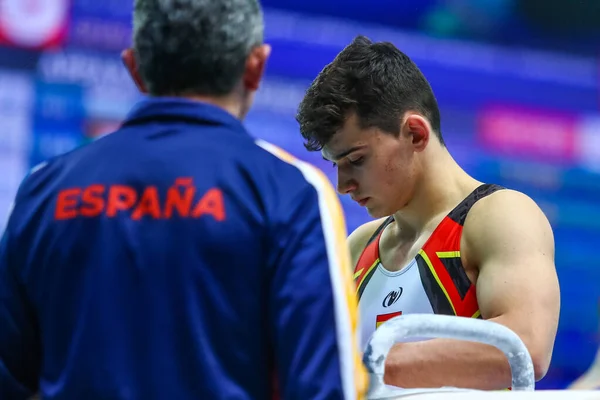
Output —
(417, 129)
(130, 60)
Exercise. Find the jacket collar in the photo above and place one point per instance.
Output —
(172, 108)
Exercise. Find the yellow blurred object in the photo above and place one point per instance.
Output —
(590, 380)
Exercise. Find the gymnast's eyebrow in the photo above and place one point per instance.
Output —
(345, 153)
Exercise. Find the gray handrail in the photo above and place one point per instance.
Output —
(432, 326)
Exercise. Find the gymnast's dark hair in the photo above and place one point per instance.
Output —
(375, 81)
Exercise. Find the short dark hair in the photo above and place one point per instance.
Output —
(377, 82)
(194, 47)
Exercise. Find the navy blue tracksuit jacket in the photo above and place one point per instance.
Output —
(177, 258)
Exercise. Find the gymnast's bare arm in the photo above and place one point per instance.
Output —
(510, 241)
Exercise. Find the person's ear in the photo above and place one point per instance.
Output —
(129, 59)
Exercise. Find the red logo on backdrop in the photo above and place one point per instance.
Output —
(538, 134)
(33, 23)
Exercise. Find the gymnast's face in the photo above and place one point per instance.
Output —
(378, 170)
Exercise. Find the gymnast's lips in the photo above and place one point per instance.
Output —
(361, 202)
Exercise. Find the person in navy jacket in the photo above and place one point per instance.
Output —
(178, 257)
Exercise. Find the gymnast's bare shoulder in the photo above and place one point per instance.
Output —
(509, 240)
(357, 241)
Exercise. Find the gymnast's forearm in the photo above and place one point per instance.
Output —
(445, 362)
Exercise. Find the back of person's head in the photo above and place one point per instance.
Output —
(374, 81)
(196, 47)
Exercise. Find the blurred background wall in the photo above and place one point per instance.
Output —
(518, 83)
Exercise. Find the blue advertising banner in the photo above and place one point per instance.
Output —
(58, 119)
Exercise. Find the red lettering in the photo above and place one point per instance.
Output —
(148, 205)
(66, 204)
(211, 203)
(180, 198)
(120, 198)
(93, 201)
